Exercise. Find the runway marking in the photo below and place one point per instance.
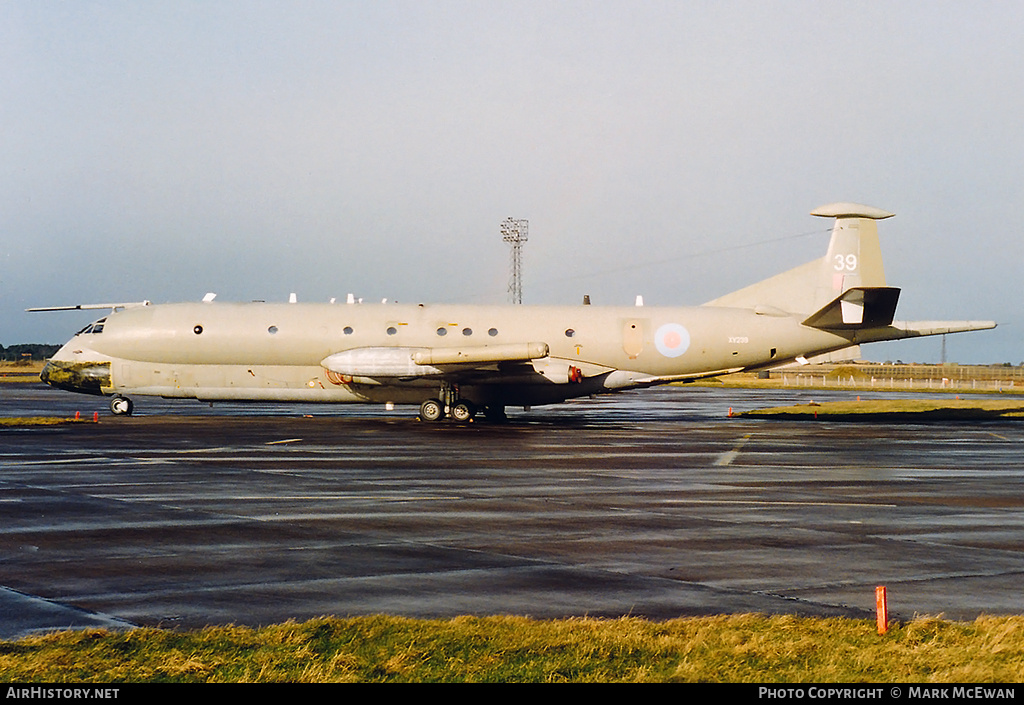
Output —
(726, 458)
(219, 449)
(286, 440)
(778, 503)
(209, 497)
(95, 460)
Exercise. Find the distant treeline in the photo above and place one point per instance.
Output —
(27, 351)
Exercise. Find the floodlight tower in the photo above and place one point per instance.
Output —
(515, 232)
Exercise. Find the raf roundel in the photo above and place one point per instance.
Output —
(672, 340)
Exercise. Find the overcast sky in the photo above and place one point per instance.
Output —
(163, 149)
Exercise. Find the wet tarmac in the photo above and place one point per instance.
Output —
(652, 503)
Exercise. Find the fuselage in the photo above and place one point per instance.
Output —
(263, 351)
(455, 359)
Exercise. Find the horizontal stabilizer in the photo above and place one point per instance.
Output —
(914, 329)
(860, 307)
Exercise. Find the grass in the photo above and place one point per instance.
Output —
(737, 648)
(20, 371)
(898, 410)
(21, 421)
(838, 380)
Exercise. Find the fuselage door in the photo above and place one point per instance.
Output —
(633, 337)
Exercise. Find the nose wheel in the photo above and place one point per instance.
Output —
(121, 406)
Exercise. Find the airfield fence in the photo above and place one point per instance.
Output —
(966, 378)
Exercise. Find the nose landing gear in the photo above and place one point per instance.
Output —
(121, 406)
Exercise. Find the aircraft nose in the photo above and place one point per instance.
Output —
(86, 377)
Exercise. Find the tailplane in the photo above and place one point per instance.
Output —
(846, 284)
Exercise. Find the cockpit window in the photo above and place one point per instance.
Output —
(94, 327)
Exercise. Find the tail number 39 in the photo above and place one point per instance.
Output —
(846, 263)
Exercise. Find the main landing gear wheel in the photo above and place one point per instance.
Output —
(463, 411)
(121, 406)
(431, 410)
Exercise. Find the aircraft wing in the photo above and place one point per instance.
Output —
(407, 362)
(508, 364)
(625, 378)
(85, 307)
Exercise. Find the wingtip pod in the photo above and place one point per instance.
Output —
(851, 210)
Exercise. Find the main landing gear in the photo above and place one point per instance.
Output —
(121, 406)
(448, 404)
(434, 410)
(461, 410)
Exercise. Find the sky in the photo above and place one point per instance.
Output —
(161, 150)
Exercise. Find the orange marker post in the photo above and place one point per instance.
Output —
(881, 609)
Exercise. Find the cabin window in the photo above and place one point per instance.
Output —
(492, 332)
(197, 330)
(442, 331)
(569, 332)
(467, 332)
(347, 330)
(392, 330)
(272, 330)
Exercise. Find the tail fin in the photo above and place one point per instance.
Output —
(853, 261)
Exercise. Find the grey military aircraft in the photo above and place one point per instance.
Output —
(456, 360)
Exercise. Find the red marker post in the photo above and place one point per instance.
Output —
(881, 609)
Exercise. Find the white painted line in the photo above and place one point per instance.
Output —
(726, 458)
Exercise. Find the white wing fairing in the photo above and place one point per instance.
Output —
(456, 360)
